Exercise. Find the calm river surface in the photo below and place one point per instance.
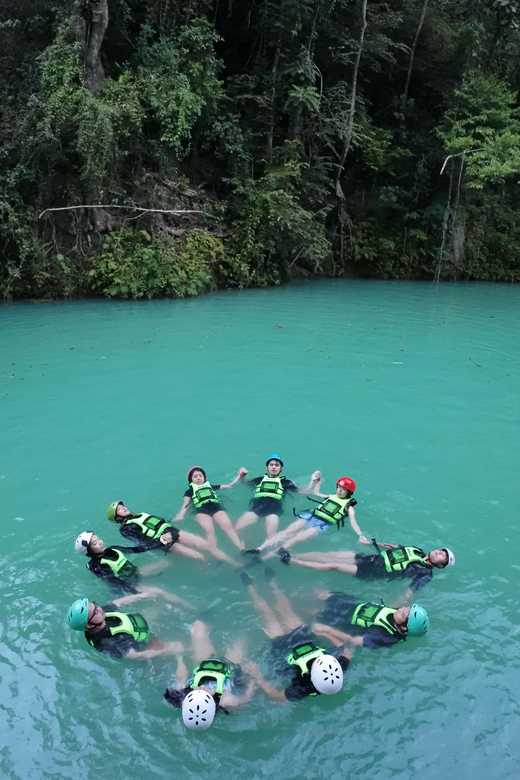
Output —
(411, 389)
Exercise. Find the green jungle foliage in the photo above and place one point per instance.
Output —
(166, 148)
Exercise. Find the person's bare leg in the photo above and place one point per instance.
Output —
(237, 652)
(290, 619)
(248, 518)
(344, 568)
(341, 557)
(201, 644)
(223, 521)
(206, 523)
(192, 540)
(307, 533)
(272, 625)
(186, 552)
(153, 568)
(170, 597)
(277, 540)
(271, 525)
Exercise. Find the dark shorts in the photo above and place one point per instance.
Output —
(369, 566)
(282, 645)
(210, 509)
(338, 610)
(266, 506)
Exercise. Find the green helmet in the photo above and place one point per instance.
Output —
(418, 621)
(112, 509)
(77, 616)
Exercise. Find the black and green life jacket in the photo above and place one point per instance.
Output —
(135, 625)
(369, 614)
(302, 656)
(121, 567)
(220, 671)
(399, 559)
(269, 487)
(203, 494)
(150, 526)
(333, 509)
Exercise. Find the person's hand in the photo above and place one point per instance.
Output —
(251, 668)
(316, 476)
(242, 471)
(166, 538)
(363, 540)
(175, 648)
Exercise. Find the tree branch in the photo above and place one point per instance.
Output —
(133, 208)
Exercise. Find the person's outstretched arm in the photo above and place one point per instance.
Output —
(172, 648)
(241, 474)
(334, 633)
(315, 481)
(271, 691)
(186, 501)
(355, 527)
(232, 700)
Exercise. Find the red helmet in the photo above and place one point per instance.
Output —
(193, 468)
(347, 483)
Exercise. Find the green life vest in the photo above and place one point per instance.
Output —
(333, 509)
(269, 487)
(370, 614)
(302, 656)
(151, 526)
(121, 568)
(397, 560)
(203, 494)
(216, 670)
(135, 625)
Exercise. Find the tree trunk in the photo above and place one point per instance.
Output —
(412, 53)
(343, 217)
(89, 27)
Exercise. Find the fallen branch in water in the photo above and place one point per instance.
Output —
(132, 208)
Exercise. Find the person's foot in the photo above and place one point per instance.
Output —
(252, 551)
(246, 579)
(269, 574)
(284, 555)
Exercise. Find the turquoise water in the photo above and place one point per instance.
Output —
(409, 388)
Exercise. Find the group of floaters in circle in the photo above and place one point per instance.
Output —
(313, 656)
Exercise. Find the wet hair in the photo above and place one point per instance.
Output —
(176, 696)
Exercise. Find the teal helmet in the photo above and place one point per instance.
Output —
(112, 509)
(418, 621)
(77, 616)
(274, 456)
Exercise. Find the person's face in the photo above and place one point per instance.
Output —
(96, 545)
(197, 477)
(274, 467)
(122, 511)
(96, 615)
(341, 492)
(439, 558)
(401, 616)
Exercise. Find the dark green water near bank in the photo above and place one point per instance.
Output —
(409, 388)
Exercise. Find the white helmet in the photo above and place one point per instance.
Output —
(451, 557)
(82, 542)
(327, 674)
(198, 710)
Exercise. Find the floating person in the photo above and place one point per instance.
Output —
(369, 624)
(116, 633)
(312, 669)
(111, 565)
(393, 562)
(329, 513)
(270, 491)
(144, 528)
(208, 509)
(215, 684)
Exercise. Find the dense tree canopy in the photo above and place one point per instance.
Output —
(205, 143)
